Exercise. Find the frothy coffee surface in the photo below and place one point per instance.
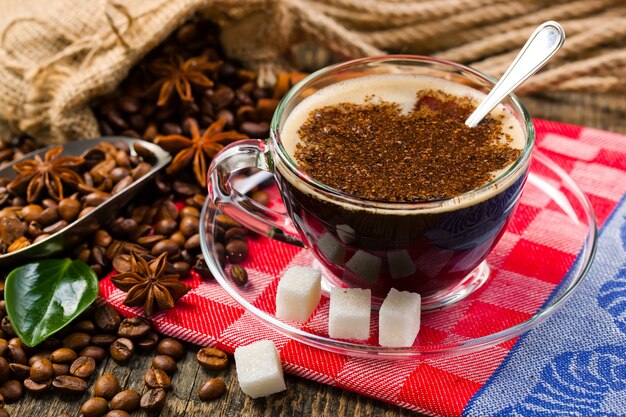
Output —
(400, 138)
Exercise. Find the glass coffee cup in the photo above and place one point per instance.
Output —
(435, 248)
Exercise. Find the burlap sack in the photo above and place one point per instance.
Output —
(57, 55)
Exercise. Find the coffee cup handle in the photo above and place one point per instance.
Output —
(249, 153)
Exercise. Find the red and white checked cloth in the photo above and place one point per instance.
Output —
(595, 159)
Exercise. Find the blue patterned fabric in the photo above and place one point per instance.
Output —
(574, 364)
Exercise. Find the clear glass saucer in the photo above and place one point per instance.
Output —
(543, 256)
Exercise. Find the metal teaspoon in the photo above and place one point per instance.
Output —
(544, 42)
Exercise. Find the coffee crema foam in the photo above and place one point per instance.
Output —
(401, 89)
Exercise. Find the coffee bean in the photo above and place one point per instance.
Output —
(77, 341)
(5, 370)
(164, 363)
(140, 170)
(189, 226)
(106, 386)
(237, 251)
(122, 349)
(166, 245)
(68, 209)
(41, 370)
(96, 352)
(19, 371)
(103, 340)
(153, 400)
(193, 242)
(17, 354)
(4, 347)
(212, 358)
(148, 342)
(150, 241)
(129, 104)
(61, 369)
(157, 378)
(255, 130)
(235, 233)
(182, 268)
(187, 33)
(212, 389)
(12, 391)
(134, 328)
(94, 407)
(85, 326)
(102, 238)
(171, 347)
(226, 222)
(6, 327)
(83, 367)
(239, 275)
(63, 355)
(189, 211)
(116, 413)
(31, 212)
(37, 387)
(67, 384)
(127, 400)
(48, 216)
(107, 318)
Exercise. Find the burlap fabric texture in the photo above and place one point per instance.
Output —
(58, 55)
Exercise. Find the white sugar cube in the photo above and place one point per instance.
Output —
(400, 264)
(365, 265)
(399, 319)
(349, 316)
(299, 292)
(346, 233)
(331, 248)
(259, 370)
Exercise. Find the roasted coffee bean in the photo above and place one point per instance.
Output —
(212, 358)
(237, 251)
(106, 386)
(150, 241)
(37, 387)
(212, 389)
(122, 349)
(5, 370)
(31, 212)
(164, 363)
(189, 211)
(167, 245)
(119, 173)
(140, 170)
(83, 367)
(235, 233)
(44, 354)
(193, 242)
(85, 211)
(121, 185)
(41, 370)
(67, 384)
(129, 104)
(48, 216)
(95, 198)
(107, 318)
(179, 238)
(148, 342)
(19, 371)
(6, 327)
(12, 391)
(68, 209)
(116, 413)
(34, 230)
(255, 130)
(4, 347)
(171, 347)
(103, 238)
(153, 400)
(134, 328)
(17, 354)
(226, 222)
(77, 341)
(182, 268)
(63, 355)
(127, 400)
(187, 33)
(61, 369)
(189, 226)
(55, 227)
(157, 378)
(96, 352)
(103, 340)
(94, 407)
(239, 275)
(85, 326)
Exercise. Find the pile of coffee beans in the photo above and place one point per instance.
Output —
(104, 170)
(15, 148)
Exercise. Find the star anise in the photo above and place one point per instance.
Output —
(178, 74)
(197, 148)
(52, 173)
(150, 284)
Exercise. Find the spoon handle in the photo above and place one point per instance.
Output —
(540, 47)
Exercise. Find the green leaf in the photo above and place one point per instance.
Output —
(43, 297)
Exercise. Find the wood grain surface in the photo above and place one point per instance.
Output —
(303, 398)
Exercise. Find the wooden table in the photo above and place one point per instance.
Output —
(303, 397)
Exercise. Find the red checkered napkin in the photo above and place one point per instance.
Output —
(207, 315)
